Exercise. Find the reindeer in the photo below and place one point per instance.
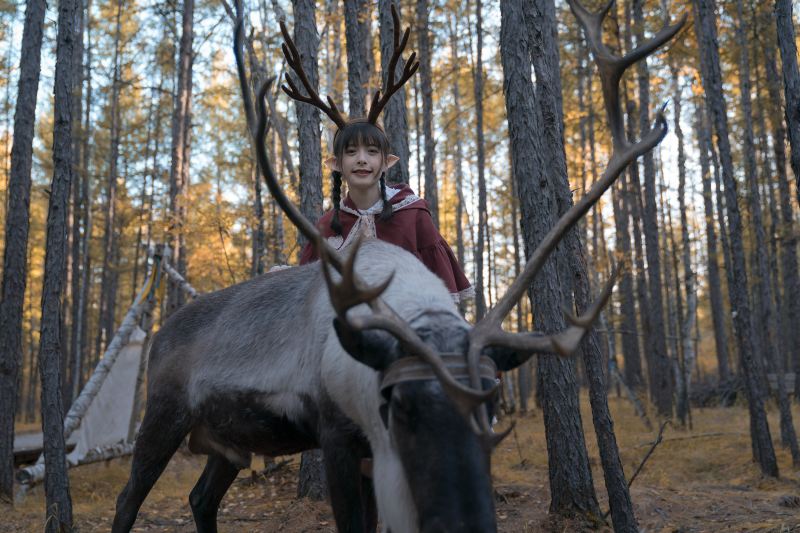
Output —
(362, 354)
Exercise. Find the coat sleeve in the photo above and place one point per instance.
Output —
(309, 253)
(437, 255)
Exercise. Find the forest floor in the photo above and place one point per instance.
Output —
(698, 480)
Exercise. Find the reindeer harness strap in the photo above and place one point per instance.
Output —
(415, 368)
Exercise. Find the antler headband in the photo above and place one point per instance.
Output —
(378, 101)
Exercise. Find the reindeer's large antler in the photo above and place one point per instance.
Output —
(611, 68)
(293, 59)
(411, 66)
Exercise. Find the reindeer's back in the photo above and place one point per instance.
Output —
(235, 337)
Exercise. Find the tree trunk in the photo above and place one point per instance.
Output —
(312, 478)
(480, 302)
(78, 217)
(632, 200)
(751, 365)
(571, 486)
(714, 284)
(789, 269)
(16, 237)
(59, 504)
(661, 376)
(110, 270)
(308, 123)
(764, 302)
(459, 155)
(779, 365)
(83, 314)
(394, 114)
(688, 320)
(424, 53)
(356, 25)
(179, 164)
(791, 88)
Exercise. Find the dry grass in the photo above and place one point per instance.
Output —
(701, 480)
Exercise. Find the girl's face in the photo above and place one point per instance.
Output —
(361, 166)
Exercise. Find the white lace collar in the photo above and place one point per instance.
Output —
(376, 208)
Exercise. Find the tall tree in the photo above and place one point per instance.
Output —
(181, 146)
(56, 484)
(394, 114)
(356, 26)
(661, 375)
(16, 237)
(686, 325)
(110, 276)
(480, 302)
(714, 284)
(571, 486)
(761, 280)
(458, 149)
(632, 199)
(706, 31)
(78, 217)
(83, 298)
(312, 478)
(791, 85)
(425, 48)
(789, 268)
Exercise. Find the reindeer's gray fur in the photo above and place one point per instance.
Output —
(270, 342)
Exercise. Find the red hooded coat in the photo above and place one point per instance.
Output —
(410, 227)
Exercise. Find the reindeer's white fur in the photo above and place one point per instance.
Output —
(355, 387)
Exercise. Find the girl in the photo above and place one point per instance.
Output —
(396, 215)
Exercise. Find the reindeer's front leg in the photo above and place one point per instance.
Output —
(352, 496)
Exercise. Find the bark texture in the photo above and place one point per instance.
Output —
(181, 143)
(791, 84)
(356, 25)
(705, 29)
(308, 123)
(59, 504)
(16, 237)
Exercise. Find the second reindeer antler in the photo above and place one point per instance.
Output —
(489, 332)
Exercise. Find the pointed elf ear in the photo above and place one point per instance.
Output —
(391, 159)
(333, 164)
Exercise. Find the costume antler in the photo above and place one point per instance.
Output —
(611, 67)
(293, 59)
(379, 101)
(411, 66)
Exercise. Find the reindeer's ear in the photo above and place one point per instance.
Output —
(505, 358)
(374, 348)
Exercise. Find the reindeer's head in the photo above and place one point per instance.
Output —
(437, 372)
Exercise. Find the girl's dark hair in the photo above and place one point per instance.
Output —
(358, 133)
